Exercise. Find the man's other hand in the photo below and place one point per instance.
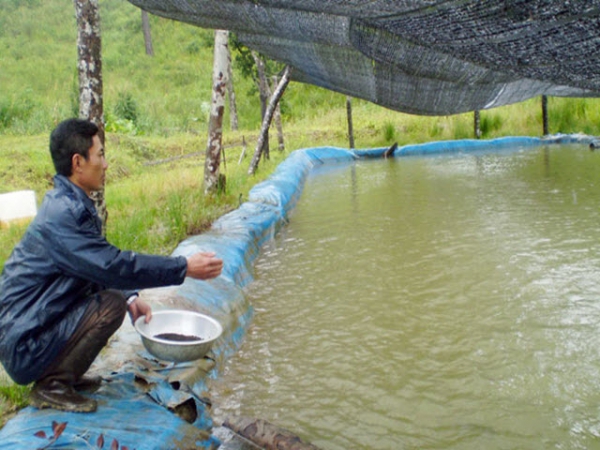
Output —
(139, 308)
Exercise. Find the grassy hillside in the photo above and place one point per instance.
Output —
(170, 92)
(39, 78)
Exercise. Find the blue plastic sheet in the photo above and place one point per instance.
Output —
(146, 404)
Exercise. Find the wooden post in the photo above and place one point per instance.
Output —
(147, 34)
(266, 435)
(349, 116)
(545, 115)
(243, 154)
(476, 124)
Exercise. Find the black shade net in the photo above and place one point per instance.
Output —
(426, 57)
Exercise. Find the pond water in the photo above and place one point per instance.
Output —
(447, 302)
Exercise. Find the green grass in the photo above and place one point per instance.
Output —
(12, 397)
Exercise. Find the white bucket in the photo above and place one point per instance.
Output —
(17, 206)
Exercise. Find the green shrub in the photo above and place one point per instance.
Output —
(389, 132)
(117, 125)
(5, 115)
(14, 111)
(126, 107)
(436, 130)
(489, 123)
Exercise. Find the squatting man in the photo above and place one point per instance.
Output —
(65, 289)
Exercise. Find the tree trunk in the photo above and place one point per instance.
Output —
(277, 118)
(213, 181)
(264, 94)
(285, 79)
(147, 34)
(89, 66)
(233, 117)
(349, 117)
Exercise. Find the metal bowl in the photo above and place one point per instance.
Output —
(181, 327)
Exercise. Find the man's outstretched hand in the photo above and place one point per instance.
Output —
(204, 265)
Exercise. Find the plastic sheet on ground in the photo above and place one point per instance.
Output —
(145, 404)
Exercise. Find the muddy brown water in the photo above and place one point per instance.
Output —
(446, 302)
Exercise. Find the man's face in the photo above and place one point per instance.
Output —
(89, 174)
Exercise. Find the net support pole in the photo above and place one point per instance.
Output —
(545, 115)
(349, 117)
(476, 124)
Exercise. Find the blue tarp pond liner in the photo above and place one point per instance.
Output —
(145, 404)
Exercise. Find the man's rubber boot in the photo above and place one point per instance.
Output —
(57, 394)
(57, 388)
(87, 384)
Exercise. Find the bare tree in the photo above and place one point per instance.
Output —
(213, 180)
(285, 79)
(89, 67)
(147, 34)
(277, 116)
(260, 69)
(233, 117)
(264, 93)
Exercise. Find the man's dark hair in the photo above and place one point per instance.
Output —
(69, 137)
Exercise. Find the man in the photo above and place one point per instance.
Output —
(65, 289)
